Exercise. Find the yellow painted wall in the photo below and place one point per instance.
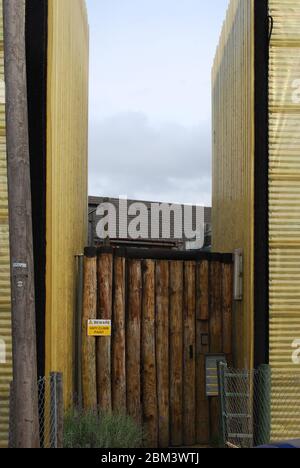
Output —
(5, 298)
(284, 219)
(67, 140)
(67, 146)
(233, 159)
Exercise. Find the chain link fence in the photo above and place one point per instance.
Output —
(50, 411)
(258, 406)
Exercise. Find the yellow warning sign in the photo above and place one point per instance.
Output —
(98, 328)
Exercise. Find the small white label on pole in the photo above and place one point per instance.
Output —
(22, 266)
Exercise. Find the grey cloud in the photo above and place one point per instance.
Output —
(170, 162)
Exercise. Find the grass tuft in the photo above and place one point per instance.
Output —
(90, 429)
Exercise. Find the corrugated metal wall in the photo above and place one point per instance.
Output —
(67, 134)
(233, 158)
(284, 219)
(5, 306)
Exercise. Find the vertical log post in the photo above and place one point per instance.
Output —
(133, 340)
(149, 381)
(118, 342)
(20, 226)
(162, 352)
(202, 344)
(227, 310)
(189, 371)
(176, 353)
(216, 338)
(78, 333)
(89, 388)
(105, 298)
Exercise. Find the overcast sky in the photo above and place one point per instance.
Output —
(150, 98)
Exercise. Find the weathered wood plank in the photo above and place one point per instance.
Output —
(118, 341)
(89, 387)
(133, 340)
(216, 337)
(176, 353)
(162, 351)
(202, 290)
(149, 381)
(215, 320)
(105, 288)
(227, 306)
(202, 348)
(189, 372)
(202, 402)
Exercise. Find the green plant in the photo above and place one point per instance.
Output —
(90, 429)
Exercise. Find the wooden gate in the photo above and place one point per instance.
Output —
(168, 311)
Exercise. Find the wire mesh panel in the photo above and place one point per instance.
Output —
(285, 406)
(50, 407)
(237, 415)
(48, 411)
(252, 403)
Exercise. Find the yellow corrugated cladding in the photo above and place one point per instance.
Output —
(67, 135)
(284, 218)
(5, 304)
(233, 157)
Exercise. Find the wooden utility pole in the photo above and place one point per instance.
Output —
(20, 222)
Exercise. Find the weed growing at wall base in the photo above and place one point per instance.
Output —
(90, 429)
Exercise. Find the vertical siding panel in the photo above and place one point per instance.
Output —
(233, 158)
(284, 215)
(67, 119)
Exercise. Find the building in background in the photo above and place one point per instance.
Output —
(57, 44)
(172, 242)
(256, 183)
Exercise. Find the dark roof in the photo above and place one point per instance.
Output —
(96, 201)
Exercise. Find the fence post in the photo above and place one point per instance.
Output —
(57, 410)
